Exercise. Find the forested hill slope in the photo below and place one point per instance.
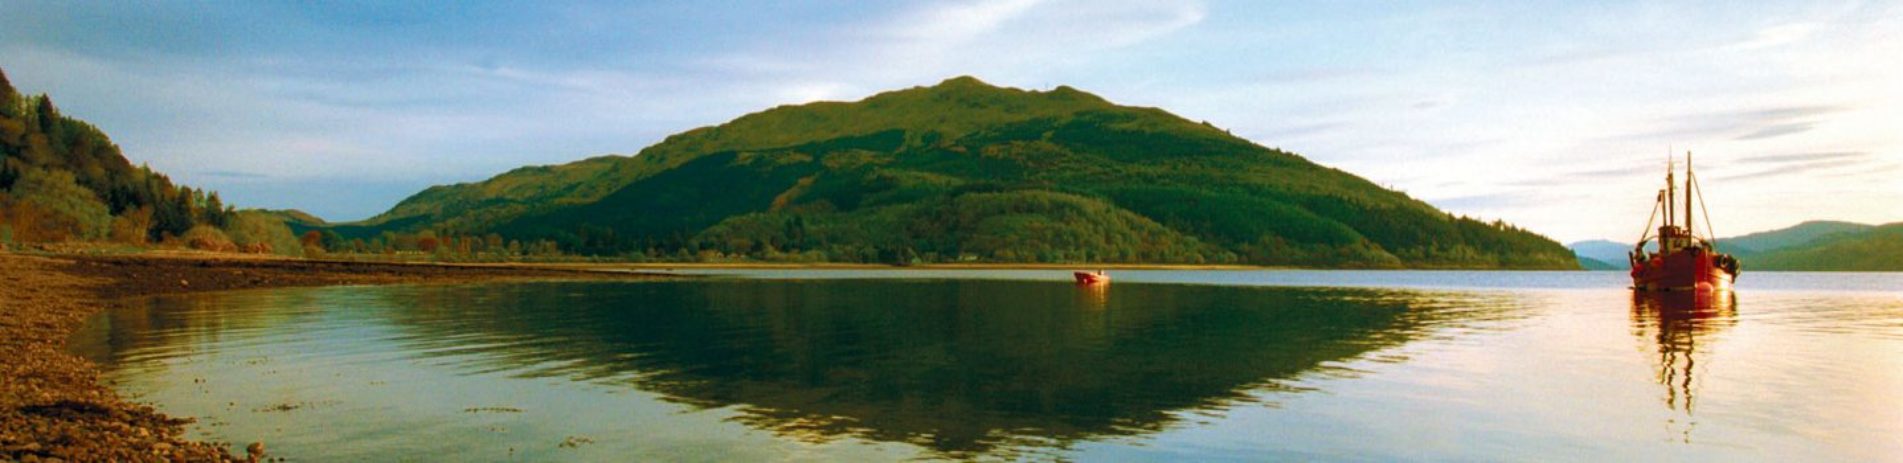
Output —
(967, 171)
(62, 179)
(1863, 248)
(1799, 235)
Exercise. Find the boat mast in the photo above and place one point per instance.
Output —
(1671, 196)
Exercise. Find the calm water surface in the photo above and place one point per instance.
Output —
(958, 364)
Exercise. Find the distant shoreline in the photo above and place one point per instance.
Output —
(662, 266)
(935, 266)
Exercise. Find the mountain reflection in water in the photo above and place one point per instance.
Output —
(960, 368)
(956, 366)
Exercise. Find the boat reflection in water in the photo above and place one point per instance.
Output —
(1093, 296)
(1682, 325)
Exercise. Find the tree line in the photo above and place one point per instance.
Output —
(63, 179)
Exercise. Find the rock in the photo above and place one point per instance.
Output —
(255, 450)
(162, 447)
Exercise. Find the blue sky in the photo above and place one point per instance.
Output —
(1556, 116)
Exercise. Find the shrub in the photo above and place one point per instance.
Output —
(64, 209)
(258, 232)
(208, 238)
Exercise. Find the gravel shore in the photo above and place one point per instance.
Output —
(52, 405)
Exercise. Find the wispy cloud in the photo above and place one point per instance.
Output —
(995, 39)
(1484, 201)
(1778, 130)
(1294, 131)
(1745, 124)
(1792, 170)
(1780, 113)
(1778, 35)
(1314, 75)
(955, 22)
(1803, 157)
(233, 174)
(1618, 172)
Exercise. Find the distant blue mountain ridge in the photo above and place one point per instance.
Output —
(1802, 246)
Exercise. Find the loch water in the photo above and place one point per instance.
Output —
(881, 365)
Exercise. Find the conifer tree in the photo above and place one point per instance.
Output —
(48, 117)
(8, 97)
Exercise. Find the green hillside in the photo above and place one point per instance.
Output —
(1589, 263)
(1794, 236)
(1875, 249)
(62, 179)
(485, 203)
(965, 171)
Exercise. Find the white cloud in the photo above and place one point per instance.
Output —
(1001, 40)
(1773, 36)
(952, 22)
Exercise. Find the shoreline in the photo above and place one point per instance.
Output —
(52, 402)
(935, 266)
(652, 266)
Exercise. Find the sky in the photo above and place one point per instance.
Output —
(1554, 116)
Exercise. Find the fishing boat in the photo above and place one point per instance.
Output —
(1092, 278)
(1680, 259)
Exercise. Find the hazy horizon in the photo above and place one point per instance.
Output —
(1553, 116)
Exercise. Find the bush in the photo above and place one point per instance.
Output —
(258, 232)
(208, 238)
(59, 207)
(132, 226)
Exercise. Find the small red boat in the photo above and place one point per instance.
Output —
(1680, 259)
(1092, 278)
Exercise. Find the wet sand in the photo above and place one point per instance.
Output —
(52, 404)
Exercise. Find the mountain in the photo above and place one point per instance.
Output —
(1797, 235)
(1814, 245)
(1587, 263)
(967, 171)
(1868, 248)
(483, 204)
(1601, 255)
(62, 179)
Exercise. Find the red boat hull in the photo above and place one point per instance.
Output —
(1088, 278)
(1693, 269)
